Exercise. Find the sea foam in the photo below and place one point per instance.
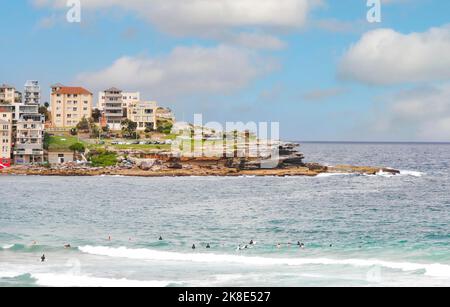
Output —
(70, 280)
(436, 269)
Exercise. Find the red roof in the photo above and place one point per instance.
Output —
(66, 90)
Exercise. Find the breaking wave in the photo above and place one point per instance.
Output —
(436, 269)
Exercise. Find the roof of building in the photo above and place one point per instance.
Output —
(113, 89)
(67, 90)
(6, 86)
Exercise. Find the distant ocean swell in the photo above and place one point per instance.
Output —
(435, 269)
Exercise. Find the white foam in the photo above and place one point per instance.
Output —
(326, 175)
(439, 270)
(411, 173)
(9, 274)
(69, 280)
(7, 246)
(402, 173)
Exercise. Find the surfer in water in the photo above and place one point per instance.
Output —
(193, 246)
(208, 246)
(160, 238)
(251, 242)
(43, 258)
(67, 246)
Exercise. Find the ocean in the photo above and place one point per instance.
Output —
(357, 230)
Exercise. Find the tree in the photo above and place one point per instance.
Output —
(164, 126)
(83, 125)
(129, 128)
(44, 111)
(96, 114)
(73, 131)
(77, 147)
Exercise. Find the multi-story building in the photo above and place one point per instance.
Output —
(32, 92)
(7, 93)
(165, 114)
(127, 99)
(113, 109)
(29, 146)
(69, 105)
(6, 128)
(143, 113)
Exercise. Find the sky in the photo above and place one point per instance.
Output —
(318, 67)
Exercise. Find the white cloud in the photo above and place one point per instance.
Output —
(186, 70)
(422, 113)
(385, 56)
(200, 16)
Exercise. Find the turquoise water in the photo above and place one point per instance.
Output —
(357, 230)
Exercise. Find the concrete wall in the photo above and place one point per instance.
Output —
(58, 157)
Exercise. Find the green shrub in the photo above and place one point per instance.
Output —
(78, 147)
(103, 159)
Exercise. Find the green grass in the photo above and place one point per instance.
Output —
(61, 142)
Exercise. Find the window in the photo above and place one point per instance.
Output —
(69, 115)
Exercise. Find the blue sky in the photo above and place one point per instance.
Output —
(316, 66)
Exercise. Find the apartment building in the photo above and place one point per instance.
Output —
(69, 105)
(127, 99)
(29, 144)
(5, 135)
(143, 113)
(32, 92)
(165, 114)
(113, 108)
(7, 93)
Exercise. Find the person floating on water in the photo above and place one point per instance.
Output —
(278, 245)
(160, 238)
(193, 246)
(208, 246)
(109, 238)
(43, 258)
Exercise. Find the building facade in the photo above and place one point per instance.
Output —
(7, 94)
(29, 144)
(69, 105)
(32, 92)
(113, 109)
(143, 113)
(127, 99)
(6, 129)
(165, 114)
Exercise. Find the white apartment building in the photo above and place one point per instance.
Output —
(5, 135)
(113, 109)
(29, 146)
(143, 113)
(32, 92)
(127, 99)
